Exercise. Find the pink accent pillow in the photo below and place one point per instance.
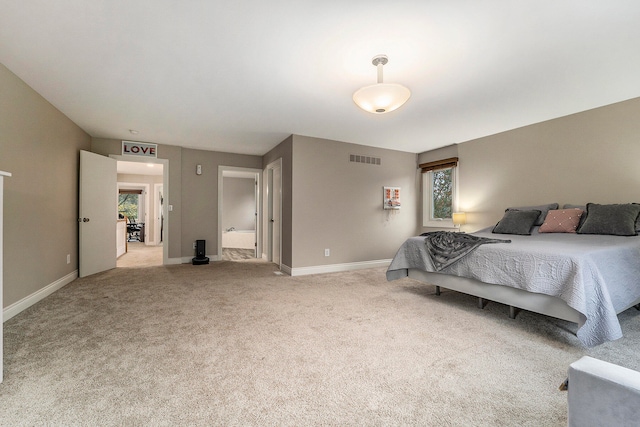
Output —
(561, 221)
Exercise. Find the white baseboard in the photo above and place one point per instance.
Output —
(37, 296)
(335, 268)
(286, 269)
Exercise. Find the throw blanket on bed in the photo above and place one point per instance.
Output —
(446, 247)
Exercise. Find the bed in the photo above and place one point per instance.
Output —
(583, 278)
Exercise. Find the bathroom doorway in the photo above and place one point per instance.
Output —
(239, 214)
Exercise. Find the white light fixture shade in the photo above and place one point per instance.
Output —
(381, 97)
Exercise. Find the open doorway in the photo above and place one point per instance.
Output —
(141, 214)
(239, 214)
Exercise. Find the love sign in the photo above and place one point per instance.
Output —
(130, 148)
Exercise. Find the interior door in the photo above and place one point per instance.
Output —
(256, 225)
(276, 216)
(159, 200)
(98, 214)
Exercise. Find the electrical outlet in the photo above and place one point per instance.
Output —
(327, 252)
(194, 245)
(68, 258)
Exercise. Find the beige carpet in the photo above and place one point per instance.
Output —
(237, 254)
(140, 255)
(233, 344)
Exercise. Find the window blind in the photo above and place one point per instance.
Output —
(439, 164)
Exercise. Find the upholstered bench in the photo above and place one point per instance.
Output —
(603, 394)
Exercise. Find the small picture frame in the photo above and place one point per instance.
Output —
(391, 198)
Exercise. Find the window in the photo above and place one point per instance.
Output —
(439, 195)
(129, 204)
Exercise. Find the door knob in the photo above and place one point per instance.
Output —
(83, 219)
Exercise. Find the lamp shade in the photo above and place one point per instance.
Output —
(459, 218)
(381, 97)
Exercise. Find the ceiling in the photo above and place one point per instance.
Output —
(242, 76)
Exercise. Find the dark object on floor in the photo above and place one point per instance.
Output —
(200, 257)
(565, 385)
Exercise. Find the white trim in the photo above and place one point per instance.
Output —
(286, 269)
(37, 296)
(335, 268)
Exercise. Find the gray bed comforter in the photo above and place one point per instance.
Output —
(596, 275)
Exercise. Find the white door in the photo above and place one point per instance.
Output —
(158, 203)
(98, 213)
(256, 226)
(276, 216)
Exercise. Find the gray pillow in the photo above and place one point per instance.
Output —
(616, 220)
(517, 222)
(544, 210)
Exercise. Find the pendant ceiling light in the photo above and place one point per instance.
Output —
(381, 97)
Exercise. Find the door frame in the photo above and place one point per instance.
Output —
(257, 173)
(165, 207)
(276, 164)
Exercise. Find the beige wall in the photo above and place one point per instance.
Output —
(39, 145)
(586, 157)
(337, 204)
(200, 194)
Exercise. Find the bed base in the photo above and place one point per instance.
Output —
(482, 303)
(515, 298)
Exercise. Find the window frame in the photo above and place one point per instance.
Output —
(427, 199)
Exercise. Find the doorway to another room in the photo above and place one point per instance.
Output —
(239, 214)
(141, 219)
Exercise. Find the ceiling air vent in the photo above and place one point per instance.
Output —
(369, 160)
